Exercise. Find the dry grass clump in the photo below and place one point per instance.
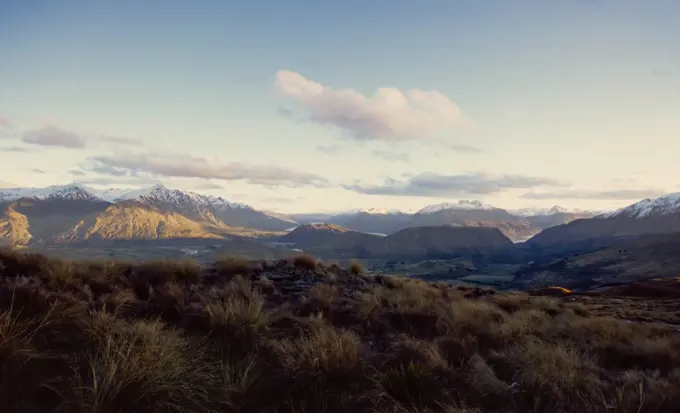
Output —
(356, 268)
(233, 266)
(304, 262)
(141, 366)
(300, 336)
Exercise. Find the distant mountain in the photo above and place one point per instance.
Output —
(554, 210)
(372, 221)
(75, 212)
(72, 192)
(556, 215)
(517, 225)
(649, 216)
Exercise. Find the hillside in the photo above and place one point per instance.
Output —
(649, 256)
(296, 336)
(443, 241)
(328, 236)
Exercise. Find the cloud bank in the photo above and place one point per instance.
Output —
(53, 136)
(436, 185)
(184, 166)
(608, 195)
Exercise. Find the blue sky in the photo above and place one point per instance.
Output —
(318, 106)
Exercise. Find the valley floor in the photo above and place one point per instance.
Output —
(295, 335)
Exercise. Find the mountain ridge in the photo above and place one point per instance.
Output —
(649, 216)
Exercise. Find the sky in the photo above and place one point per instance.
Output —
(303, 106)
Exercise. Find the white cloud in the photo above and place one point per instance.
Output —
(388, 115)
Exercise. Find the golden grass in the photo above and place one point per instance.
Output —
(164, 337)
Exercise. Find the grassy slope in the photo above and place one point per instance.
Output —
(296, 336)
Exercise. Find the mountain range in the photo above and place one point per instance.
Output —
(76, 212)
(517, 225)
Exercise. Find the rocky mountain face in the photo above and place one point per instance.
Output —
(74, 212)
(516, 225)
(649, 216)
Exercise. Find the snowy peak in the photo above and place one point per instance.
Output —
(374, 211)
(460, 205)
(556, 209)
(161, 195)
(71, 192)
(664, 205)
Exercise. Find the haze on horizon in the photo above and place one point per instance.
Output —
(304, 106)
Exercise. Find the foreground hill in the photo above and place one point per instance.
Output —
(649, 256)
(516, 225)
(298, 336)
(74, 213)
(650, 216)
(421, 242)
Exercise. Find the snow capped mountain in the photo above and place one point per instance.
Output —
(664, 205)
(159, 194)
(528, 212)
(464, 205)
(71, 192)
(374, 211)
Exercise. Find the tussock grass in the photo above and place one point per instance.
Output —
(174, 337)
(304, 262)
(233, 266)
